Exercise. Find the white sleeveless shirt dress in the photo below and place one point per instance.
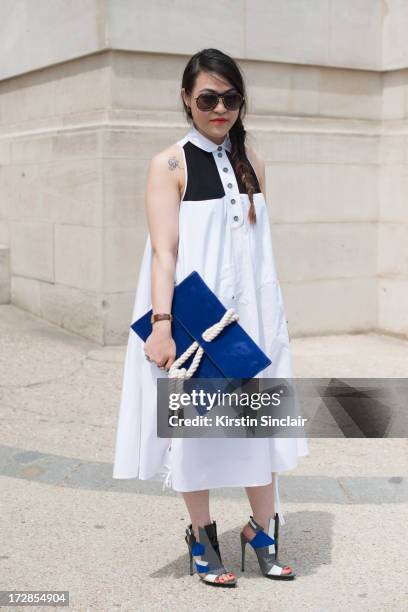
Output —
(236, 261)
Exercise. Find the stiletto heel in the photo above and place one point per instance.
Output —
(207, 556)
(243, 544)
(266, 549)
(191, 557)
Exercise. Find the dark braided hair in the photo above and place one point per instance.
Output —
(213, 60)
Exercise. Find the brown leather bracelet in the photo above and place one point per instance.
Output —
(160, 317)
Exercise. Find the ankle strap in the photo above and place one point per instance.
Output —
(254, 524)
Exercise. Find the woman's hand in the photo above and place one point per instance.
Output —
(160, 347)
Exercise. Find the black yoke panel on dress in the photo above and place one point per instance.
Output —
(203, 179)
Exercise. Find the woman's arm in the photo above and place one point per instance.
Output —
(162, 201)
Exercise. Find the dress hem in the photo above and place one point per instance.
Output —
(160, 476)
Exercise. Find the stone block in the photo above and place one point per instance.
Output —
(392, 149)
(123, 250)
(71, 192)
(313, 251)
(393, 250)
(4, 232)
(139, 143)
(117, 312)
(302, 193)
(393, 193)
(4, 274)
(393, 305)
(25, 293)
(31, 249)
(270, 87)
(342, 305)
(79, 257)
(5, 149)
(287, 31)
(52, 34)
(24, 193)
(32, 149)
(76, 310)
(134, 74)
(350, 93)
(124, 185)
(162, 27)
(394, 89)
(299, 147)
(394, 35)
(83, 86)
(76, 144)
(354, 34)
(26, 98)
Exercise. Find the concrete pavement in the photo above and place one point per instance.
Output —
(119, 545)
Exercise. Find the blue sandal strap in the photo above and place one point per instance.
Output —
(261, 539)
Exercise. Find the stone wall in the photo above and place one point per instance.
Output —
(88, 96)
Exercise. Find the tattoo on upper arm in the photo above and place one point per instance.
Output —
(174, 163)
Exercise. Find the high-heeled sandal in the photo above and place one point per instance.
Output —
(207, 556)
(265, 546)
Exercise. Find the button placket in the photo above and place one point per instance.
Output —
(230, 185)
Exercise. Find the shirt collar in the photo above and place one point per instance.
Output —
(205, 143)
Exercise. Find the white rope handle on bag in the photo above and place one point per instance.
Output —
(178, 375)
(209, 334)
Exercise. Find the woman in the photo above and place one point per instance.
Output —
(206, 211)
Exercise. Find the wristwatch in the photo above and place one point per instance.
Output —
(160, 317)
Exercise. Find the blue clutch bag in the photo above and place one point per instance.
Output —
(195, 308)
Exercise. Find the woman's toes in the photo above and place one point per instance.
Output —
(225, 577)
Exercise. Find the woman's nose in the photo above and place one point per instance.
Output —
(220, 106)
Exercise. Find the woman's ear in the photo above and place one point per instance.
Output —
(185, 96)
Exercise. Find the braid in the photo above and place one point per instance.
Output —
(241, 165)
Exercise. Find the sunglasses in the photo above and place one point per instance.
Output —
(208, 101)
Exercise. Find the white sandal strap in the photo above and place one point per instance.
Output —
(276, 570)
